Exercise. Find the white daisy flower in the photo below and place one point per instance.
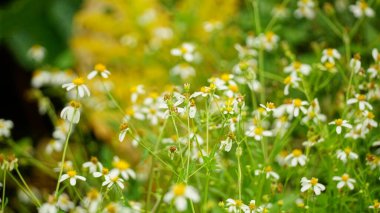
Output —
(346, 154)
(124, 128)
(361, 9)
(290, 81)
(252, 208)
(355, 63)
(5, 127)
(297, 67)
(179, 193)
(268, 171)
(296, 157)
(269, 107)
(312, 184)
(54, 145)
(72, 176)
(113, 178)
(71, 112)
(376, 55)
(78, 84)
(235, 206)
(49, 207)
(330, 55)
(37, 53)
(186, 50)
(339, 124)
(92, 200)
(344, 180)
(93, 165)
(122, 167)
(376, 205)
(258, 133)
(136, 91)
(297, 106)
(64, 202)
(99, 69)
(361, 100)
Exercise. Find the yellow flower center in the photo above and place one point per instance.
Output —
(329, 65)
(363, 5)
(75, 104)
(238, 203)
(370, 115)
(345, 177)
(268, 169)
(183, 50)
(347, 150)
(297, 65)
(314, 181)
(252, 206)
(105, 171)
(270, 105)
(130, 111)
(311, 114)
(205, 89)
(225, 77)
(114, 179)
(71, 173)
(111, 208)
(259, 131)
(361, 97)
(233, 88)
(330, 52)
(179, 189)
(100, 67)
(121, 164)
(297, 102)
(288, 80)
(338, 122)
(269, 36)
(78, 81)
(376, 204)
(93, 194)
(297, 152)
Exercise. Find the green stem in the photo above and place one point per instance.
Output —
(110, 96)
(64, 155)
(189, 149)
(28, 189)
(239, 174)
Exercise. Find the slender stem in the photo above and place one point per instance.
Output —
(28, 189)
(239, 175)
(64, 155)
(151, 176)
(110, 96)
(189, 149)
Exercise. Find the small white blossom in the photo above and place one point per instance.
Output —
(344, 180)
(179, 193)
(5, 127)
(339, 124)
(296, 157)
(72, 176)
(99, 69)
(361, 9)
(77, 83)
(71, 112)
(312, 184)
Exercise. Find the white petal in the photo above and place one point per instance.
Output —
(181, 204)
(92, 74)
